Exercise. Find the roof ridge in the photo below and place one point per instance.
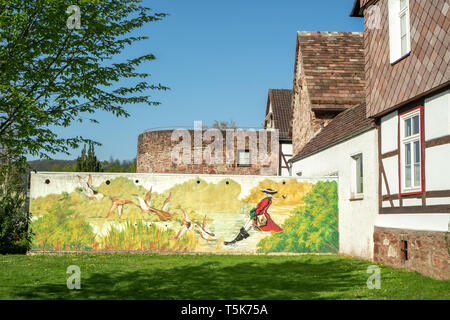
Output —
(305, 32)
(349, 109)
(339, 116)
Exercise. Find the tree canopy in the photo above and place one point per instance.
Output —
(222, 125)
(52, 75)
(88, 162)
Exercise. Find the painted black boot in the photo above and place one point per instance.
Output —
(243, 234)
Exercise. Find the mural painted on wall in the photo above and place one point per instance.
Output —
(173, 213)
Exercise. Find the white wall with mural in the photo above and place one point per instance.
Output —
(357, 213)
(183, 213)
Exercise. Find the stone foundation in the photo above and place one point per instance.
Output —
(426, 252)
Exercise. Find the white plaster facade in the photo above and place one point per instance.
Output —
(59, 182)
(356, 217)
(286, 149)
(436, 113)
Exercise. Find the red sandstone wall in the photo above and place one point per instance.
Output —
(328, 73)
(302, 115)
(428, 252)
(154, 156)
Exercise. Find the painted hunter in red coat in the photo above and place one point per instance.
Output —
(261, 208)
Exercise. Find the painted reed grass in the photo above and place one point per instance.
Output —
(142, 237)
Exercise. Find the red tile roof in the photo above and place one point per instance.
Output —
(345, 124)
(281, 110)
(332, 67)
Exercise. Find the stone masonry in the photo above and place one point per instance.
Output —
(328, 79)
(426, 252)
(155, 151)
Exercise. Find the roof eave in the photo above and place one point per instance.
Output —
(329, 109)
(332, 144)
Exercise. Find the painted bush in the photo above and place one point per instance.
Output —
(182, 213)
(313, 227)
(62, 229)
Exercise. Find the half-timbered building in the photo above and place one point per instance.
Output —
(278, 116)
(407, 63)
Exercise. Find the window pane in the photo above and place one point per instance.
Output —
(408, 176)
(417, 175)
(403, 25)
(358, 170)
(244, 157)
(408, 153)
(404, 46)
(402, 4)
(416, 125)
(408, 127)
(359, 174)
(416, 152)
(361, 166)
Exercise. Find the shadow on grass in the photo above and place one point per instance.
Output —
(284, 280)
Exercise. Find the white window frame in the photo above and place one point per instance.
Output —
(395, 37)
(269, 120)
(410, 140)
(357, 176)
(239, 163)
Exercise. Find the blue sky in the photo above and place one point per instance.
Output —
(219, 58)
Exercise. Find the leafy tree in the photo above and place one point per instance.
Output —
(52, 75)
(88, 162)
(313, 227)
(115, 165)
(15, 236)
(111, 165)
(47, 165)
(222, 125)
(56, 168)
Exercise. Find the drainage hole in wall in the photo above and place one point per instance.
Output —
(47, 181)
(108, 182)
(405, 249)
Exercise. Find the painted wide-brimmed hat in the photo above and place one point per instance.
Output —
(269, 191)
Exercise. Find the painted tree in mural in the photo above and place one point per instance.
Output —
(313, 227)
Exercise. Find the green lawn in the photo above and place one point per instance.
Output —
(152, 276)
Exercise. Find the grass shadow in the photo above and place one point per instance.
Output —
(211, 280)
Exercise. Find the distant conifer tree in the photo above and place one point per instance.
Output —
(88, 162)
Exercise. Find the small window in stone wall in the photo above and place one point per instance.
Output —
(243, 158)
